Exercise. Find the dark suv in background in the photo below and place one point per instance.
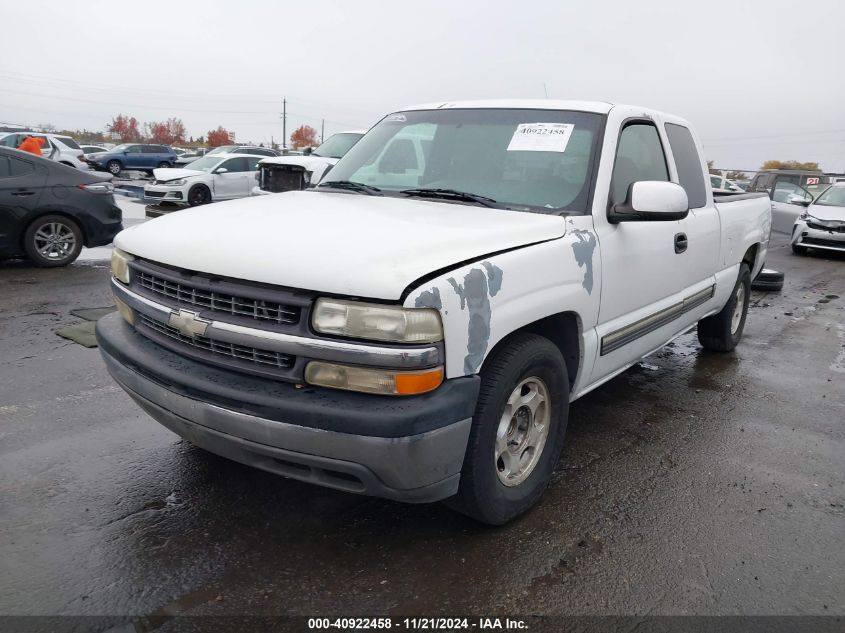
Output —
(137, 156)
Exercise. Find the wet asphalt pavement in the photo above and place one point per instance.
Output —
(691, 484)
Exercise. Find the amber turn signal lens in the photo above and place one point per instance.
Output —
(369, 380)
(418, 382)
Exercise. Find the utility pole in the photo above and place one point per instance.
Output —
(284, 123)
(323, 131)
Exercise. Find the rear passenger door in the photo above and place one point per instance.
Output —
(21, 184)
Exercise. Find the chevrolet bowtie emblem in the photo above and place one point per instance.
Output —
(188, 323)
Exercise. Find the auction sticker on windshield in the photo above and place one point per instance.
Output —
(541, 137)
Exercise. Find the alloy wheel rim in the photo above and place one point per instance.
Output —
(736, 318)
(522, 432)
(55, 241)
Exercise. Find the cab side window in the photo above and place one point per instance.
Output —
(688, 164)
(10, 141)
(11, 167)
(790, 193)
(639, 156)
(234, 165)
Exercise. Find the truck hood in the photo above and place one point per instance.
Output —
(339, 243)
(824, 212)
(308, 162)
(174, 173)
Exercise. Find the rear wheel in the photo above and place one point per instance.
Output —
(517, 431)
(721, 332)
(53, 240)
(199, 194)
(114, 167)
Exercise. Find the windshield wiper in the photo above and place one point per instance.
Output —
(351, 185)
(451, 194)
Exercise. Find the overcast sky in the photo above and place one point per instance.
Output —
(759, 80)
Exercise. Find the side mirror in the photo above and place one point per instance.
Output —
(221, 170)
(307, 151)
(651, 201)
(799, 200)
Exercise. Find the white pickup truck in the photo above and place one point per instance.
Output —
(419, 335)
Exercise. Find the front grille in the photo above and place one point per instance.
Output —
(822, 227)
(217, 352)
(279, 178)
(817, 241)
(154, 194)
(188, 294)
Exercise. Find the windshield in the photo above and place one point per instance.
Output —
(833, 197)
(533, 160)
(206, 163)
(120, 148)
(336, 145)
(223, 149)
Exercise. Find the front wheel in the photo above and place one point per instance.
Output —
(799, 250)
(517, 431)
(199, 194)
(114, 167)
(163, 165)
(53, 240)
(721, 332)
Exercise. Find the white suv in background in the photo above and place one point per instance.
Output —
(62, 149)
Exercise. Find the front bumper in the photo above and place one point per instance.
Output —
(825, 239)
(161, 193)
(409, 449)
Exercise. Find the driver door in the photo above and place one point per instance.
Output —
(234, 181)
(788, 202)
(642, 273)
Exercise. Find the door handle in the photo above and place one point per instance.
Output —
(23, 192)
(681, 242)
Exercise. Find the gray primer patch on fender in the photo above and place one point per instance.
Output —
(479, 285)
(429, 299)
(583, 249)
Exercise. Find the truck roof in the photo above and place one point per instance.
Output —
(601, 107)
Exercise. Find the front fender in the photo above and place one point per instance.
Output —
(483, 302)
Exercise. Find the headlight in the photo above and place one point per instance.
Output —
(175, 183)
(377, 322)
(99, 187)
(120, 265)
(382, 381)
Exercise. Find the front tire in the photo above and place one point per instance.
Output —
(53, 240)
(199, 194)
(517, 431)
(164, 165)
(721, 332)
(114, 167)
(799, 250)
